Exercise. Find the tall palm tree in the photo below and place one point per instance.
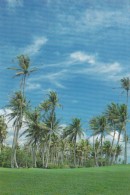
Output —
(73, 132)
(3, 131)
(49, 108)
(125, 84)
(112, 114)
(17, 106)
(122, 126)
(23, 70)
(99, 126)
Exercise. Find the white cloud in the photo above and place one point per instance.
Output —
(107, 71)
(101, 68)
(34, 47)
(93, 19)
(14, 3)
(82, 57)
(33, 86)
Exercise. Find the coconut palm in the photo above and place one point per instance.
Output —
(107, 150)
(122, 126)
(35, 131)
(99, 126)
(23, 70)
(49, 106)
(3, 131)
(112, 114)
(73, 132)
(17, 106)
(125, 84)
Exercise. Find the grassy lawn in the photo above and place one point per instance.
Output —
(90, 181)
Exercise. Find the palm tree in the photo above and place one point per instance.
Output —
(35, 132)
(73, 132)
(49, 116)
(3, 131)
(112, 115)
(23, 70)
(125, 84)
(118, 150)
(18, 106)
(99, 126)
(107, 150)
(122, 126)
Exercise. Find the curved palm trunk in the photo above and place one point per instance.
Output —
(14, 148)
(112, 147)
(116, 146)
(48, 152)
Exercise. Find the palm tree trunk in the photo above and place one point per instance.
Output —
(75, 153)
(14, 147)
(48, 152)
(112, 146)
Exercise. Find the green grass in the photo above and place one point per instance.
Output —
(90, 181)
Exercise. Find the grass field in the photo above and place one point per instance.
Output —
(90, 181)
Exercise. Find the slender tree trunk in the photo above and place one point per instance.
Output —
(48, 152)
(75, 153)
(112, 146)
(14, 148)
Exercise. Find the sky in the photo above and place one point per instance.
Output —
(81, 49)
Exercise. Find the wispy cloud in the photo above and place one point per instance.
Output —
(33, 86)
(82, 57)
(93, 19)
(54, 78)
(92, 66)
(35, 47)
(102, 68)
(14, 3)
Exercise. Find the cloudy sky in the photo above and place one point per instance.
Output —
(81, 49)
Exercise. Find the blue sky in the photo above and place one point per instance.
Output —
(81, 48)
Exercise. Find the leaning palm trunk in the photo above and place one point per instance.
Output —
(112, 147)
(14, 148)
(125, 154)
(118, 140)
(48, 152)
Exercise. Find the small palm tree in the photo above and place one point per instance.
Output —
(99, 126)
(35, 131)
(73, 132)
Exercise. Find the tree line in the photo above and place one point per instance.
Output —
(48, 143)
